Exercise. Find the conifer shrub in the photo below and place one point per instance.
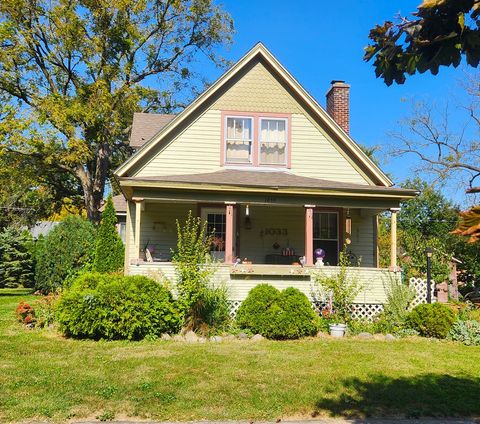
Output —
(112, 307)
(277, 314)
(109, 249)
(16, 260)
(65, 251)
(431, 320)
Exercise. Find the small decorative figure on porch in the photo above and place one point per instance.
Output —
(319, 256)
(303, 260)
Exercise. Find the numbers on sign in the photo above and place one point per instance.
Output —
(276, 232)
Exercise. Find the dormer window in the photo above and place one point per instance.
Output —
(239, 139)
(273, 141)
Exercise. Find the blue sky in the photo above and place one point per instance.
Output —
(319, 41)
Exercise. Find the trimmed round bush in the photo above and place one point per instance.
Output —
(63, 253)
(252, 312)
(431, 320)
(112, 307)
(277, 315)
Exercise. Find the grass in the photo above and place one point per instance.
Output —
(46, 377)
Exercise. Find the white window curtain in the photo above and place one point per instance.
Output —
(239, 140)
(273, 141)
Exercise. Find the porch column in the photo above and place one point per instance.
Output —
(229, 231)
(393, 240)
(139, 206)
(309, 234)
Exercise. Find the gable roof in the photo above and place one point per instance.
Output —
(259, 50)
(146, 125)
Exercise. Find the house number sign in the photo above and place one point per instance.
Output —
(276, 232)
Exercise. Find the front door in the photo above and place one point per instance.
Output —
(216, 224)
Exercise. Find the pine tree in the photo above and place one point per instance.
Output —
(16, 262)
(109, 251)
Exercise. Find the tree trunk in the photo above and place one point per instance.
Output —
(93, 184)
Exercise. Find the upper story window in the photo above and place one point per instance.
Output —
(239, 139)
(258, 139)
(273, 141)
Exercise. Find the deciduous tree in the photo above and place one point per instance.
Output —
(77, 70)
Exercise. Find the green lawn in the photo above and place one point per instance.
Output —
(43, 376)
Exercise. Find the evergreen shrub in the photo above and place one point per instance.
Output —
(65, 251)
(109, 249)
(277, 314)
(16, 260)
(112, 307)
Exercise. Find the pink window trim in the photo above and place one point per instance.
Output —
(256, 137)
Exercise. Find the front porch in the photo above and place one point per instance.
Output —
(254, 233)
(269, 241)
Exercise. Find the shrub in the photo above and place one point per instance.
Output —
(395, 312)
(277, 315)
(45, 308)
(25, 313)
(205, 307)
(431, 320)
(63, 253)
(109, 250)
(343, 287)
(103, 306)
(252, 312)
(467, 332)
(16, 261)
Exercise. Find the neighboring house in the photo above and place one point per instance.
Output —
(42, 228)
(273, 174)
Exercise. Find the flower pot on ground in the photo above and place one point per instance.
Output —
(337, 330)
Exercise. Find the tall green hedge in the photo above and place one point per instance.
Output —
(16, 261)
(66, 250)
(112, 306)
(109, 250)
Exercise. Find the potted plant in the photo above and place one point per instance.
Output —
(337, 328)
(217, 248)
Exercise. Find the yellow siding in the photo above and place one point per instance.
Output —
(195, 150)
(258, 91)
(313, 155)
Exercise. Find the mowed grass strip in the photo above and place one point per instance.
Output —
(46, 377)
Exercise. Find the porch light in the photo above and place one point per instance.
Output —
(348, 227)
(248, 221)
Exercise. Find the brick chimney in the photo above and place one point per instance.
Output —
(338, 104)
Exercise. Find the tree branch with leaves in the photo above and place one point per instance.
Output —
(439, 33)
(78, 70)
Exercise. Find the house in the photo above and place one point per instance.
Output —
(273, 174)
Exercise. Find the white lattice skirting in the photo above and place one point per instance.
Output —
(361, 311)
(419, 286)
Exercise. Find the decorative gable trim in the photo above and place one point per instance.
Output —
(374, 172)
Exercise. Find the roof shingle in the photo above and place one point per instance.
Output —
(145, 126)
